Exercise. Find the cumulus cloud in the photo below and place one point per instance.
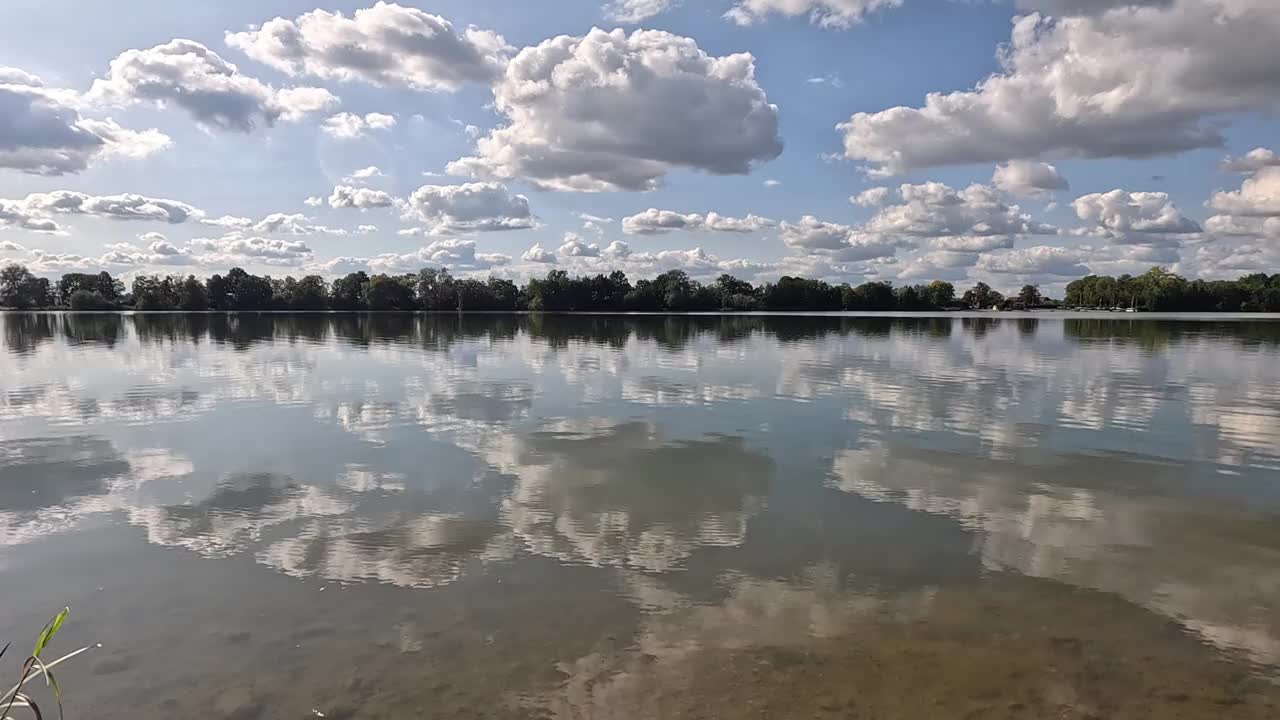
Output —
(471, 207)
(248, 250)
(43, 133)
(1131, 82)
(313, 201)
(951, 229)
(453, 253)
(1086, 7)
(362, 198)
(33, 211)
(1258, 196)
(937, 265)
(838, 243)
(630, 12)
(1252, 161)
(386, 44)
(1135, 218)
(14, 213)
(348, 126)
(871, 197)
(617, 250)
(810, 233)
(839, 14)
(188, 75)
(573, 246)
(611, 111)
(291, 224)
(934, 209)
(1038, 260)
(365, 173)
(537, 254)
(654, 222)
(1027, 177)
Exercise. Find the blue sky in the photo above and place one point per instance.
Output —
(494, 126)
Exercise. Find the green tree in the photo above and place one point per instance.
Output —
(980, 297)
(191, 295)
(1030, 297)
(940, 294)
(22, 290)
(347, 293)
(390, 293)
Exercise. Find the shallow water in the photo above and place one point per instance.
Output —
(646, 517)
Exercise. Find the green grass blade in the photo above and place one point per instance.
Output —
(49, 631)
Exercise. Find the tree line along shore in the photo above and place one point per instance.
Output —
(673, 291)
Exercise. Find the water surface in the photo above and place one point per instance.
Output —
(389, 516)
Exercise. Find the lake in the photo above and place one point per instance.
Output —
(491, 516)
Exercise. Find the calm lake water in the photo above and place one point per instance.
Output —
(384, 516)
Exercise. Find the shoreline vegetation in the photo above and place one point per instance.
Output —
(431, 289)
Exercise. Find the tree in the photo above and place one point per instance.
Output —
(981, 297)
(347, 293)
(436, 290)
(191, 295)
(21, 290)
(310, 293)
(248, 292)
(152, 292)
(217, 293)
(390, 293)
(940, 294)
(1029, 296)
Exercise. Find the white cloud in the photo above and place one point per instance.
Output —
(364, 173)
(348, 126)
(1027, 177)
(186, 74)
(832, 80)
(236, 250)
(871, 197)
(573, 246)
(771, 183)
(313, 201)
(1129, 218)
(810, 233)
(612, 111)
(472, 207)
(936, 210)
(654, 222)
(630, 12)
(836, 242)
(1132, 82)
(452, 253)
(1038, 260)
(937, 265)
(291, 224)
(125, 206)
(839, 14)
(1252, 161)
(43, 133)
(1258, 196)
(385, 44)
(234, 222)
(346, 196)
(617, 250)
(537, 254)
(1085, 7)
(366, 229)
(9, 246)
(15, 214)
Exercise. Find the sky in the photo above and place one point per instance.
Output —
(1004, 141)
